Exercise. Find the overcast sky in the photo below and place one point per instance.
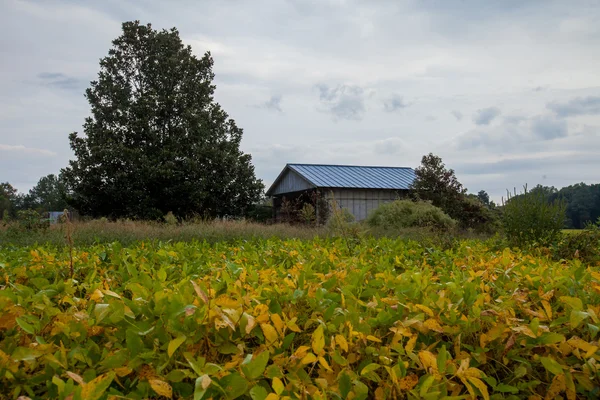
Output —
(506, 92)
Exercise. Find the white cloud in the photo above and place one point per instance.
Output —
(26, 150)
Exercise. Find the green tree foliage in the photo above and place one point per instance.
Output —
(582, 202)
(437, 184)
(156, 140)
(8, 200)
(529, 219)
(49, 194)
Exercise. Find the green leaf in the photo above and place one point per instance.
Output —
(25, 354)
(551, 338)
(25, 326)
(370, 368)
(234, 385)
(503, 388)
(134, 342)
(345, 385)
(441, 360)
(101, 311)
(551, 365)
(255, 368)
(426, 385)
(174, 345)
(574, 302)
(95, 389)
(576, 318)
(197, 365)
(593, 330)
(258, 393)
(273, 371)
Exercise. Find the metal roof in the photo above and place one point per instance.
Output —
(351, 176)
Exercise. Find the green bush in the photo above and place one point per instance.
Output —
(474, 215)
(170, 219)
(583, 245)
(529, 219)
(407, 214)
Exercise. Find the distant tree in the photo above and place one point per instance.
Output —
(484, 198)
(439, 185)
(49, 194)
(156, 140)
(8, 199)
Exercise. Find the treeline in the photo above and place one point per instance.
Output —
(49, 194)
(582, 202)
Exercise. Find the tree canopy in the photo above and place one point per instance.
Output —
(49, 194)
(156, 140)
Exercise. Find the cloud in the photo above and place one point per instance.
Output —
(457, 114)
(485, 115)
(343, 101)
(514, 133)
(61, 81)
(273, 104)
(589, 105)
(548, 128)
(430, 118)
(27, 150)
(394, 103)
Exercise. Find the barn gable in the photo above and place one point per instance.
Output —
(289, 181)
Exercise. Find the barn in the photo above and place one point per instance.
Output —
(358, 189)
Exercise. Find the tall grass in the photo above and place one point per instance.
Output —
(127, 232)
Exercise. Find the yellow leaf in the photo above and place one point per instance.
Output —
(160, 387)
(123, 371)
(342, 343)
(174, 345)
(411, 344)
(309, 359)
(278, 322)
(433, 325)
(547, 308)
(478, 383)
(291, 324)
(429, 361)
(425, 309)
(318, 340)
(272, 396)
(96, 295)
(324, 363)
(94, 389)
(277, 386)
(558, 385)
(380, 394)
(301, 351)
(373, 339)
(270, 333)
(409, 382)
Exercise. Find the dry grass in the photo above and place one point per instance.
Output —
(126, 232)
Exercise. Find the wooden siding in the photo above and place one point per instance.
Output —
(291, 182)
(361, 202)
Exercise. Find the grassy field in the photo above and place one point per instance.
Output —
(296, 319)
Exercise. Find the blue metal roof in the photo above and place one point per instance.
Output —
(352, 176)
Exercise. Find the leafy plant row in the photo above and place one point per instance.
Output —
(271, 319)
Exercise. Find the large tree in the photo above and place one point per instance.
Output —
(8, 198)
(156, 140)
(438, 184)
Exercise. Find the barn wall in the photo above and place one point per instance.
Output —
(360, 202)
(291, 182)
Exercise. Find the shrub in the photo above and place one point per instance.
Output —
(407, 214)
(474, 215)
(584, 245)
(31, 220)
(529, 219)
(170, 219)
(307, 213)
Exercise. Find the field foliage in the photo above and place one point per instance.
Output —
(273, 319)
